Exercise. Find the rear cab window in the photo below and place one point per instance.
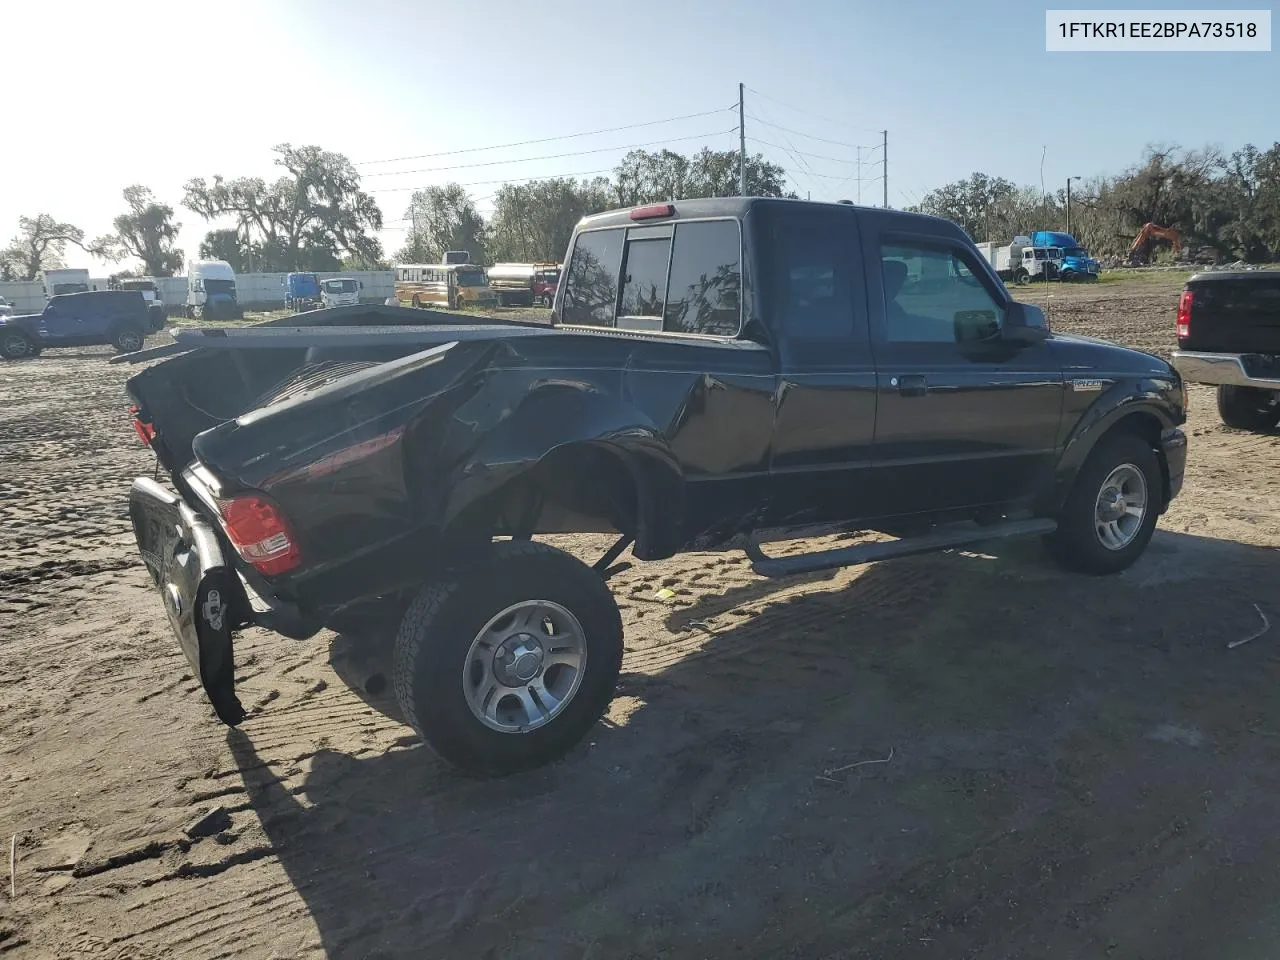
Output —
(683, 277)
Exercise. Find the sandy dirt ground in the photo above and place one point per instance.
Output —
(960, 755)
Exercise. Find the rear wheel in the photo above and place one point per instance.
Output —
(1249, 408)
(1021, 277)
(507, 668)
(417, 302)
(16, 345)
(127, 340)
(1112, 509)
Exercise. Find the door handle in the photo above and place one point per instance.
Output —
(911, 385)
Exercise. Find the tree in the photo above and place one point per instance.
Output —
(645, 177)
(443, 218)
(534, 221)
(229, 245)
(307, 220)
(974, 203)
(146, 231)
(39, 245)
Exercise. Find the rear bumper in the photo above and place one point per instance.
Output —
(205, 598)
(1173, 444)
(1220, 369)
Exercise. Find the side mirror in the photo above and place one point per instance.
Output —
(1024, 323)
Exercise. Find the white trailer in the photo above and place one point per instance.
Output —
(65, 280)
(1020, 261)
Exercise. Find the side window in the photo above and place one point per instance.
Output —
(810, 289)
(644, 274)
(932, 295)
(591, 284)
(704, 290)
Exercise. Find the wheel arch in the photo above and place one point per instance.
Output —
(1144, 420)
(569, 459)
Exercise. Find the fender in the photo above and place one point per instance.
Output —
(554, 417)
(1140, 396)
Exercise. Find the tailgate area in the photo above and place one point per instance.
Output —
(201, 593)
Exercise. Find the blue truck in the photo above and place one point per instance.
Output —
(301, 291)
(1075, 262)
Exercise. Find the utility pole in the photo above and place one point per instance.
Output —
(1069, 179)
(742, 144)
(859, 176)
(884, 165)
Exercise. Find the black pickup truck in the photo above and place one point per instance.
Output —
(1229, 337)
(719, 372)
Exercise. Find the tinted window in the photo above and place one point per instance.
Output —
(644, 276)
(811, 289)
(704, 293)
(592, 279)
(933, 296)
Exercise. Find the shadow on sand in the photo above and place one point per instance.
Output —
(1080, 767)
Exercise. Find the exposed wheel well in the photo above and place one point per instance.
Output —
(580, 487)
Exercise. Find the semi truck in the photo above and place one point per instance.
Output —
(301, 291)
(211, 290)
(1043, 255)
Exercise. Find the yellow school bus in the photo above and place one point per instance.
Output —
(448, 285)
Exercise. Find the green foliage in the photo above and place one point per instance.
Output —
(532, 222)
(443, 218)
(146, 231)
(1225, 207)
(309, 219)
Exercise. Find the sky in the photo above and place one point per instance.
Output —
(157, 93)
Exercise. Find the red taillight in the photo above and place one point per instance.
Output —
(145, 431)
(260, 533)
(653, 211)
(1185, 303)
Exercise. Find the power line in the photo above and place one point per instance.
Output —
(803, 153)
(550, 156)
(809, 136)
(566, 136)
(485, 183)
(816, 116)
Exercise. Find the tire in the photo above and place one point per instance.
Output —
(1021, 278)
(1079, 543)
(437, 657)
(16, 345)
(1249, 408)
(1067, 276)
(128, 340)
(417, 302)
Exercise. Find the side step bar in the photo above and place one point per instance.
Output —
(953, 535)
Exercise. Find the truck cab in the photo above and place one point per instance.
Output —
(211, 291)
(339, 291)
(301, 291)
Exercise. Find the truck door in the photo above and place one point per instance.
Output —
(814, 298)
(963, 418)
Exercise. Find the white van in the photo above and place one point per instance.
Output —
(211, 290)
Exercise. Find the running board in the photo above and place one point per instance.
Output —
(943, 539)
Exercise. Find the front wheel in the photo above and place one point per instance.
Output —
(1249, 408)
(507, 667)
(1112, 509)
(1022, 277)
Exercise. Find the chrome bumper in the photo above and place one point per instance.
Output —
(1219, 368)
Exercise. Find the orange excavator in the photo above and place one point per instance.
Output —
(1145, 241)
